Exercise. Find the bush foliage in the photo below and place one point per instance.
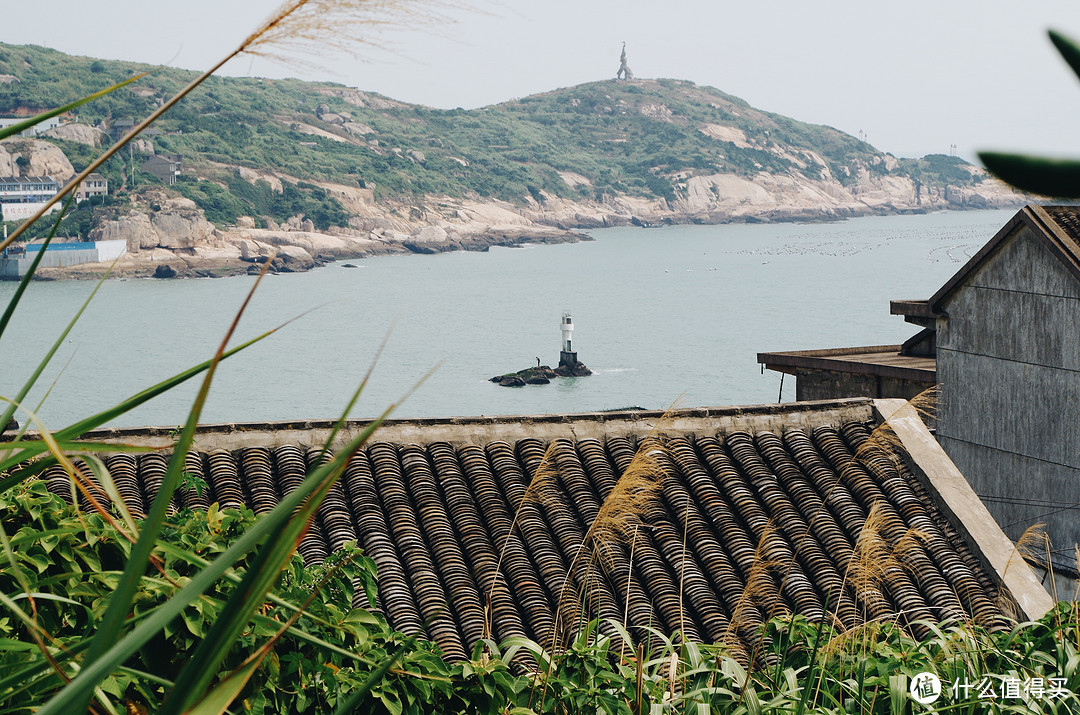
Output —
(71, 563)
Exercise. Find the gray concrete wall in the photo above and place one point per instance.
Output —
(1008, 361)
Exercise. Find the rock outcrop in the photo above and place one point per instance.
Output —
(540, 375)
(176, 224)
(20, 156)
(81, 133)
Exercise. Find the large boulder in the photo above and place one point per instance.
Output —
(33, 157)
(81, 133)
(293, 258)
(179, 230)
(164, 229)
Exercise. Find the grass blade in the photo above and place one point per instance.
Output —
(67, 701)
(14, 129)
(70, 434)
(10, 411)
(120, 602)
(261, 576)
(357, 697)
(25, 282)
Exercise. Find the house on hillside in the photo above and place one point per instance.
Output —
(22, 196)
(33, 131)
(164, 166)
(1002, 338)
(93, 185)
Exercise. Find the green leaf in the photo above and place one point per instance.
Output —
(1058, 178)
(1068, 50)
(218, 700)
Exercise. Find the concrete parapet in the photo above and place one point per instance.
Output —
(480, 430)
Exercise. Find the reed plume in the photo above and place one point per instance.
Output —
(634, 492)
(746, 617)
(883, 446)
(304, 25)
(619, 518)
(313, 26)
(542, 490)
(1028, 548)
(875, 562)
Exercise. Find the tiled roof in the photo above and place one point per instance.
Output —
(1068, 218)
(747, 523)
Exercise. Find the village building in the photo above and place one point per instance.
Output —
(40, 127)
(165, 167)
(22, 196)
(93, 185)
(1002, 339)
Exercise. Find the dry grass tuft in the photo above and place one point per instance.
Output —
(542, 489)
(619, 518)
(883, 447)
(875, 562)
(1027, 548)
(313, 27)
(759, 586)
(634, 493)
(1076, 566)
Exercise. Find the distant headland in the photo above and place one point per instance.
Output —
(299, 173)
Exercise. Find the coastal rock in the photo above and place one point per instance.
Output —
(164, 229)
(430, 234)
(165, 271)
(293, 258)
(578, 369)
(174, 230)
(540, 375)
(81, 133)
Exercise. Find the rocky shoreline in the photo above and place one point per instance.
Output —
(170, 237)
(229, 256)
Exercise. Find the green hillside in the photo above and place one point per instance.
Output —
(640, 137)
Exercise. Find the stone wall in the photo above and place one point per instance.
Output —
(827, 385)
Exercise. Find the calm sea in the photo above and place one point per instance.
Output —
(660, 315)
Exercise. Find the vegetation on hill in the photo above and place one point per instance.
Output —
(596, 140)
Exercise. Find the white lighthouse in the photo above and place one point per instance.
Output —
(567, 356)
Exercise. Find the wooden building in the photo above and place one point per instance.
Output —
(1002, 340)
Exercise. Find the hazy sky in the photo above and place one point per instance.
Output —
(916, 76)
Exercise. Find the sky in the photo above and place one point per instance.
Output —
(917, 77)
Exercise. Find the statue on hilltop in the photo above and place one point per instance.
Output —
(624, 69)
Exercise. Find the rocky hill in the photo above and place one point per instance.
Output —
(330, 171)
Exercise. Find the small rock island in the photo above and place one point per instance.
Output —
(542, 374)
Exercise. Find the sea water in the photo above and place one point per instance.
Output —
(661, 315)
